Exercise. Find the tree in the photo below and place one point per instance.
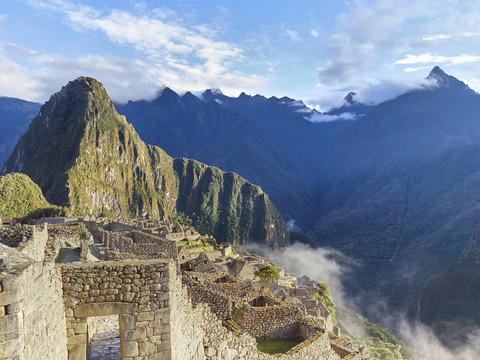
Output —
(268, 274)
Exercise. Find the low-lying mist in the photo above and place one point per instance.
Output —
(330, 266)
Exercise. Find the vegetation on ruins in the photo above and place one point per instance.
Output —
(277, 346)
(324, 295)
(268, 274)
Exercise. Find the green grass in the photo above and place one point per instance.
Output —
(277, 346)
(61, 255)
(194, 246)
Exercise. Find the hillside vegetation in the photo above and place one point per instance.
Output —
(19, 195)
(85, 156)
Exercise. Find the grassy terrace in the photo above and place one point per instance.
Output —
(194, 246)
(277, 346)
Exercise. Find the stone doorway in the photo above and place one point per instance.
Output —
(103, 338)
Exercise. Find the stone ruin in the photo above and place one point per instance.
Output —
(170, 303)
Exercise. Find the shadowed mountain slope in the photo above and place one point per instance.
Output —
(15, 115)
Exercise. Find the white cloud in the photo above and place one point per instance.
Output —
(450, 36)
(436, 37)
(321, 264)
(168, 53)
(314, 33)
(437, 59)
(319, 117)
(418, 68)
(292, 34)
(374, 38)
(16, 81)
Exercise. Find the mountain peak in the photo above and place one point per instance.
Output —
(190, 99)
(166, 92)
(438, 74)
(213, 95)
(443, 80)
(349, 98)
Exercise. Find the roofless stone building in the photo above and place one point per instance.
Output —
(47, 309)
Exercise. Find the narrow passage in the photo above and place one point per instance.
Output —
(105, 343)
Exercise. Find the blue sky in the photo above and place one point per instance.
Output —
(316, 51)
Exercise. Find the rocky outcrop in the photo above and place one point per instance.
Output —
(84, 155)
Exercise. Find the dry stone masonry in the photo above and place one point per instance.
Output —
(176, 295)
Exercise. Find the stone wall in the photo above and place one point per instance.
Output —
(32, 321)
(138, 292)
(197, 333)
(137, 244)
(201, 294)
(270, 323)
(45, 310)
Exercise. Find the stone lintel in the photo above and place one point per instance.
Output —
(106, 308)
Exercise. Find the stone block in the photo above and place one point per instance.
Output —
(81, 328)
(162, 313)
(127, 322)
(163, 346)
(145, 316)
(129, 348)
(69, 312)
(13, 308)
(101, 309)
(10, 323)
(211, 352)
(76, 339)
(8, 297)
(77, 352)
(164, 355)
(146, 348)
(129, 335)
(2, 311)
(10, 349)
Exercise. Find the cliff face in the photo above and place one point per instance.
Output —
(84, 155)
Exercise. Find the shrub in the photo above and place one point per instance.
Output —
(324, 295)
(268, 274)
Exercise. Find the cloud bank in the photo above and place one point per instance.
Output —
(330, 266)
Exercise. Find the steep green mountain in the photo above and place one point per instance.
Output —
(15, 115)
(450, 303)
(84, 155)
(403, 190)
(267, 141)
(19, 195)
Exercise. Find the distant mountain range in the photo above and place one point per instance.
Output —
(397, 189)
(267, 140)
(15, 116)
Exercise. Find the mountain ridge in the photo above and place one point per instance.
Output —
(84, 155)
